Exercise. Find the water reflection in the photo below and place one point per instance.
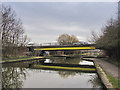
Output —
(69, 61)
(18, 75)
(95, 81)
(66, 74)
(66, 60)
(13, 77)
(59, 79)
(83, 62)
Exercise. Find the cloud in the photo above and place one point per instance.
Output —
(44, 22)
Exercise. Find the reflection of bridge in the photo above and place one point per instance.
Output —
(62, 47)
(39, 64)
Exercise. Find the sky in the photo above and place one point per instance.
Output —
(44, 22)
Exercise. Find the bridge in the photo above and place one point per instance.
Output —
(62, 47)
(41, 50)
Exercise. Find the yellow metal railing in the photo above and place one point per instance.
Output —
(66, 48)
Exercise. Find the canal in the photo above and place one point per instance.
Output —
(19, 75)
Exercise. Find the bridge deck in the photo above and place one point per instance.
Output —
(66, 48)
(70, 47)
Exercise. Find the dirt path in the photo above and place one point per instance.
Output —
(108, 67)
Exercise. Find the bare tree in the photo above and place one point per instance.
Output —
(94, 37)
(12, 31)
(66, 39)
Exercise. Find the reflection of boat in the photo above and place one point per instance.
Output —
(71, 67)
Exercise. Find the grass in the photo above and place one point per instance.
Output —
(12, 59)
(114, 81)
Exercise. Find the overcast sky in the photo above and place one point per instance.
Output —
(45, 21)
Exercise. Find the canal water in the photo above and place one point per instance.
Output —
(18, 75)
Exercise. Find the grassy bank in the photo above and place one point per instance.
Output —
(103, 76)
(13, 57)
(114, 81)
(21, 58)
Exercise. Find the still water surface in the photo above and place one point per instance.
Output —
(18, 75)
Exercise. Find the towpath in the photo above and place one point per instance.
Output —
(107, 67)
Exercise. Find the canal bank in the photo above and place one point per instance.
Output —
(21, 59)
(31, 58)
(107, 72)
